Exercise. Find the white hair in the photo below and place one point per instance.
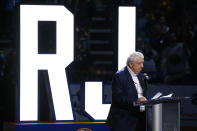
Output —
(133, 57)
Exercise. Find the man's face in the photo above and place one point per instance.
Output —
(137, 66)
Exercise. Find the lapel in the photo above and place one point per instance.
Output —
(140, 80)
(130, 80)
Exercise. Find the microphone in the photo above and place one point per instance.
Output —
(146, 77)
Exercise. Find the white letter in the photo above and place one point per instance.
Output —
(126, 45)
(31, 61)
(94, 100)
(126, 34)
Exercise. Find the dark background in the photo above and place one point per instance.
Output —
(166, 34)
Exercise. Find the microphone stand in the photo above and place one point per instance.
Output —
(146, 83)
(146, 78)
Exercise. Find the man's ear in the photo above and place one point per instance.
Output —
(130, 64)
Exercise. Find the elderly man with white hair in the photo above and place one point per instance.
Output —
(128, 87)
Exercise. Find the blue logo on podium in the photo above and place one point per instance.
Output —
(84, 129)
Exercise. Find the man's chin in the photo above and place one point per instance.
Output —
(138, 72)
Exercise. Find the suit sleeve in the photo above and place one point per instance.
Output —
(119, 96)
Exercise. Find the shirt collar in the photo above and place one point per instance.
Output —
(131, 72)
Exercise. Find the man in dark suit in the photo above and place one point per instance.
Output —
(128, 87)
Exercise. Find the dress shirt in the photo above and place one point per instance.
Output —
(137, 86)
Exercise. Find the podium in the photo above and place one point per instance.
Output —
(163, 114)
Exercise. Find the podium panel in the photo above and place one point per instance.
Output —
(166, 117)
(163, 114)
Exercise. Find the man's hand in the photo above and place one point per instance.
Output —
(141, 99)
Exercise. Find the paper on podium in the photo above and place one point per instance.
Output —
(156, 96)
(167, 96)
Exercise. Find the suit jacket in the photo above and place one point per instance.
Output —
(123, 116)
